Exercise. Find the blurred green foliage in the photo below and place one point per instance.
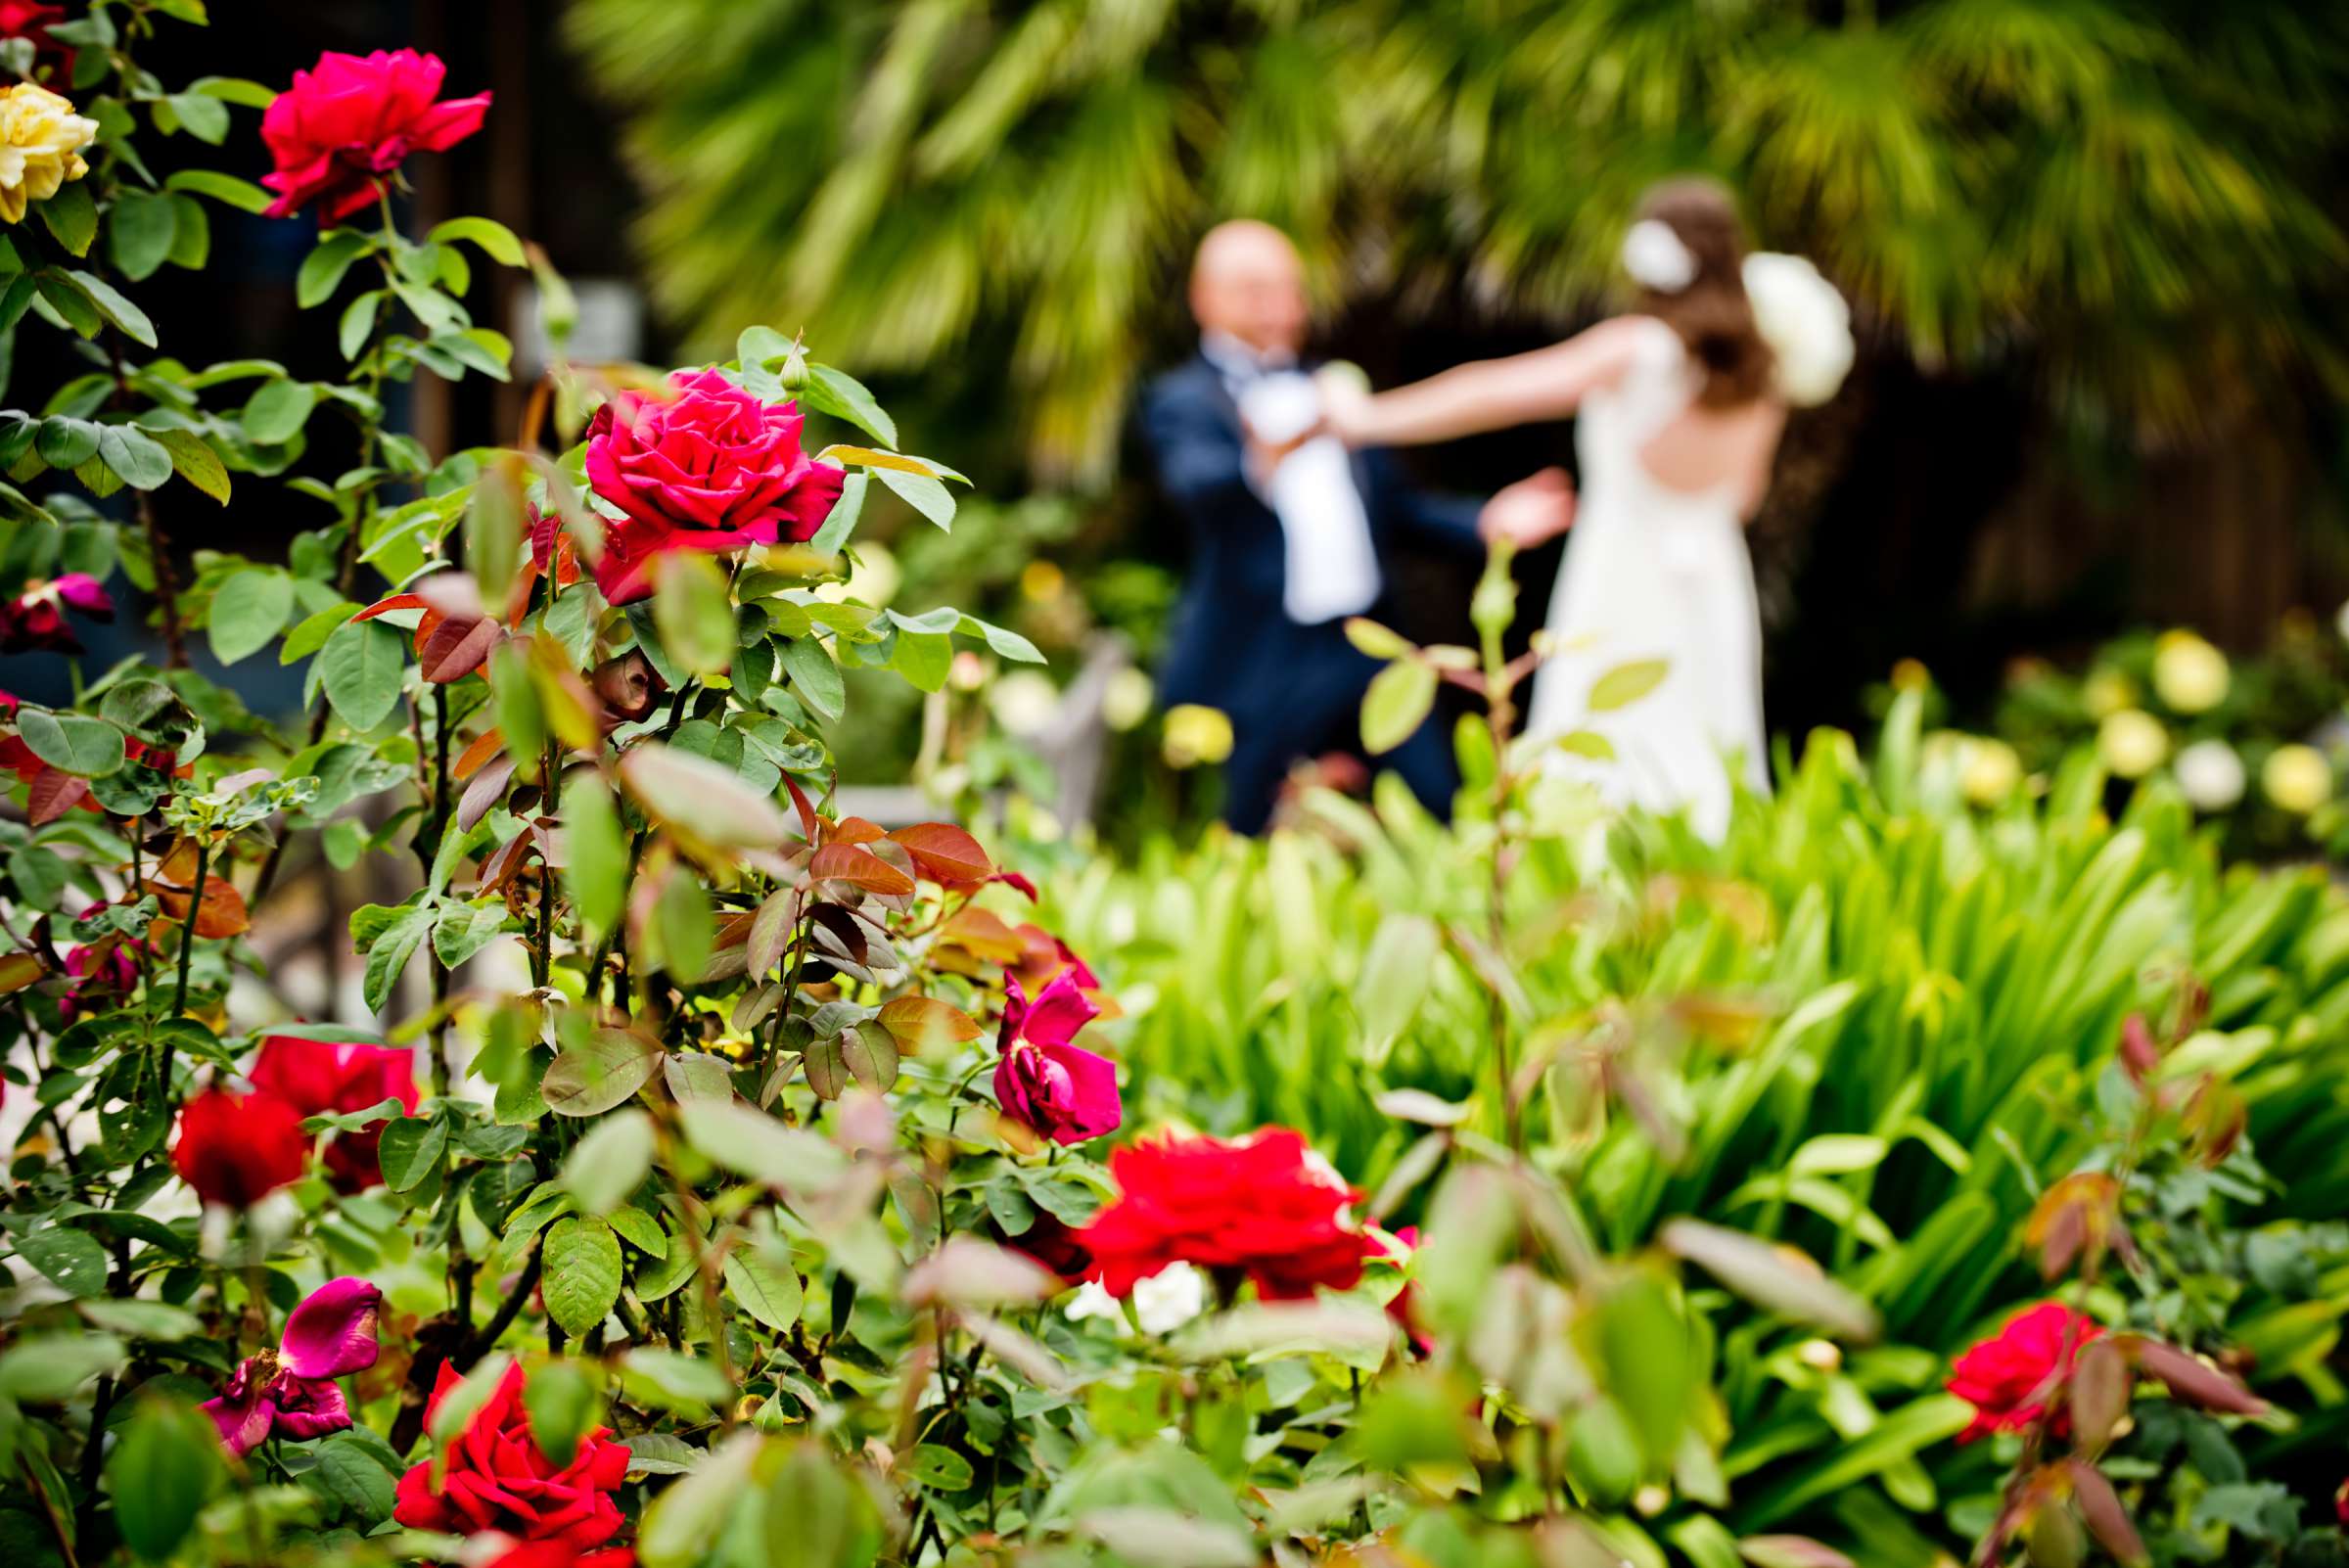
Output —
(2129, 201)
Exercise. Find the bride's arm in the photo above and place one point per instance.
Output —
(1489, 394)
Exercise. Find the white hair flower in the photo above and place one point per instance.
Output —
(1655, 258)
(1806, 323)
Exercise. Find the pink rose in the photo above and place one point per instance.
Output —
(344, 125)
(34, 621)
(707, 468)
(1064, 1091)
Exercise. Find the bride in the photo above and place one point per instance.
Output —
(1680, 404)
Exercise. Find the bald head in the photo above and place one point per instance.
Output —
(1247, 281)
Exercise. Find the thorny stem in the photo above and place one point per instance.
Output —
(186, 950)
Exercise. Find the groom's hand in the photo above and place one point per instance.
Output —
(1538, 507)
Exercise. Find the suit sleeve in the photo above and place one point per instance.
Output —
(1432, 518)
(1198, 462)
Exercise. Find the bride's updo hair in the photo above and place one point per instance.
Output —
(1710, 311)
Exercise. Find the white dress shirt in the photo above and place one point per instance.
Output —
(1332, 567)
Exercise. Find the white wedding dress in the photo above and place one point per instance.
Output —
(1654, 572)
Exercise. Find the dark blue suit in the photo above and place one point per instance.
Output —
(1291, 691)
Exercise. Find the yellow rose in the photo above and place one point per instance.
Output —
(2297, 779)
(1195, 734)
(2189, 674)
(41, 140)
(2133, 742)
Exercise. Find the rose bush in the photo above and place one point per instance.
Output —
(720, 1176)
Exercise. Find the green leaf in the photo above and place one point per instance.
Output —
(749, 1142)
(389, 952)
(143, 462)
(685, 1519)
(1394, 979)
(770, 1292)
(610, 1161)
(71, 216)
(939, 1468)
(362, 664)
(563, 1402)
(1627, 683)
(695, 617)
(496, 241)
(135, 1319)
(595, 869)
(411, 1146)
(463, 931)
(351, 1471)
(838, 394)
(276, 413)
(68, 1258)
(191, 234)
(196, 462)
(819, 679)
(1007, 644)
(116, 306)
(581, 1272)
(248, 610)
(592, 1078)
(139, 232)
(309, 633)
(163, 1468)
(840, 522)
(1397, 703)
(323, 269)
(47, 1370)
(639, 1230)
(71, 743)
(924, 658)
(201, 116)
(358, 322)
(243, 195)
(672, 1379)
(925, 495)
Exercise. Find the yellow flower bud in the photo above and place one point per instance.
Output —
(2189, 675)
(2297, 779)
(2133, 742)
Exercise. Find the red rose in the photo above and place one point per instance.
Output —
(2006, 1379)
(28, 19)
(320, 1076)
(343, 126)
(236, 1149)
(1055, 1246)
(1262, 1207)
(709, 468)
(496, 1479)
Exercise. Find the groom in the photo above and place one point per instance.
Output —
(1285, 548)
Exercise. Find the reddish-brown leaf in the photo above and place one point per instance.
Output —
(799, 803)
(2194, 1382)
(852, 830)
(945, 854)
(397, 601)
(454, 649)
(2100, 1506)
(221, 914)
(858, 867)
(18, 970)
(53, 794)
(482, 747)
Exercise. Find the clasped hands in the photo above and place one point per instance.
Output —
(1534, 509)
